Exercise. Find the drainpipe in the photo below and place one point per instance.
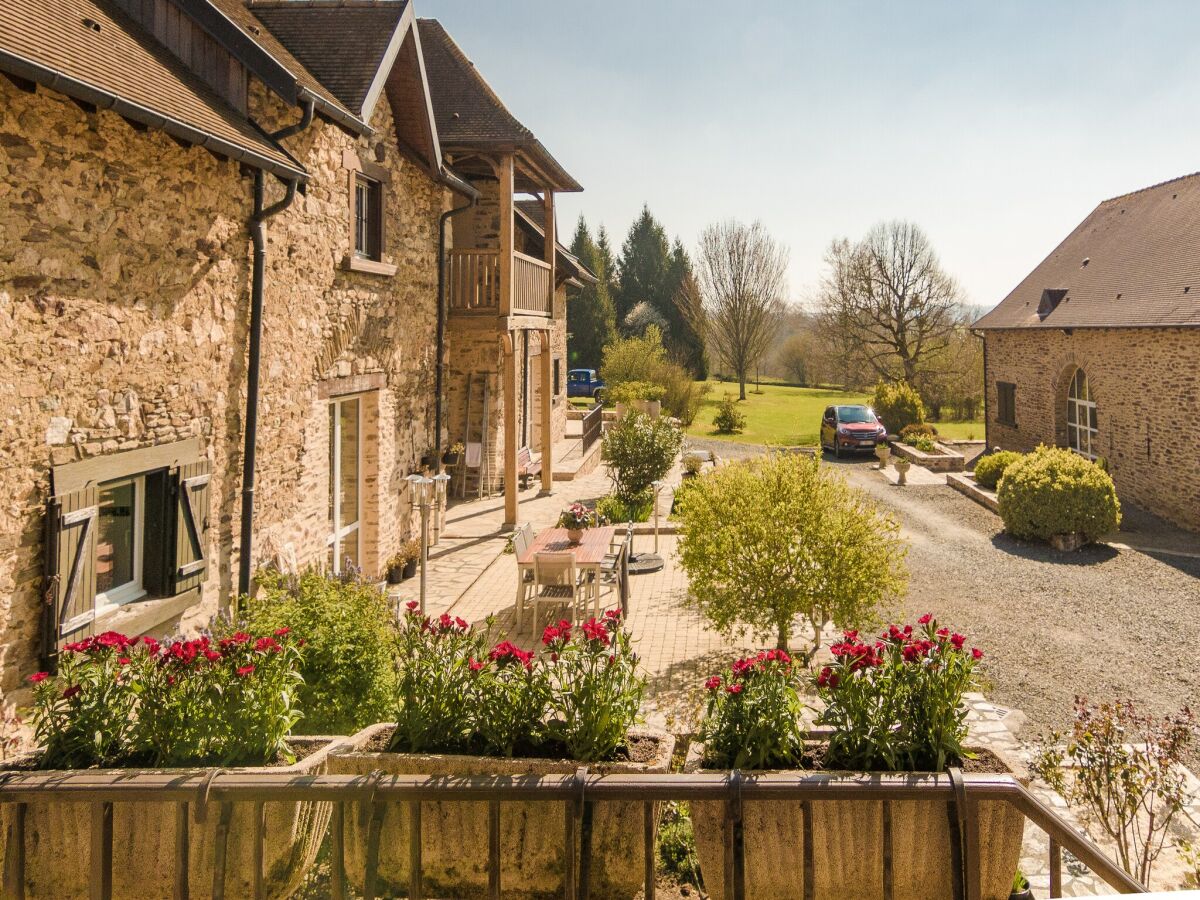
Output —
(258, 234)
(456, 184)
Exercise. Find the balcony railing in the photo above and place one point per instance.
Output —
(578, 793)
(473, 280)
(531, 286)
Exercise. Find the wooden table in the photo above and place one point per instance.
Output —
(589, 554)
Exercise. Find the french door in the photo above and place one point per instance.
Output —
(345, 484)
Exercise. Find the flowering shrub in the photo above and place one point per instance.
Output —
(435, 710)
(638, 451)
(118, 701)
(577, 517)
(895, 703)
(510, 696)
(595, 690)
(753, 716)
(1125, 770)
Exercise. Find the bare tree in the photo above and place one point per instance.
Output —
(738, 300)
(887, 300)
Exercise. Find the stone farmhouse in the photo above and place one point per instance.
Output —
(1098, 349)
(260, 260)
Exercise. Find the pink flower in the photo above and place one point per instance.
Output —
(282, 632)
(123, 661)
(736, 688)
(713, 683)
(38, 677)
(243, 671)
(474, 665)
(976, 653)
(925, 619)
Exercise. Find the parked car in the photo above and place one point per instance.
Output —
(584, 383)
(851, 429)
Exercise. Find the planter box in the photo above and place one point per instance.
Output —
(57, 841)
(944, 459)
(454, 835)
(848, 847)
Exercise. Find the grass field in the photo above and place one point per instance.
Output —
(791, 416)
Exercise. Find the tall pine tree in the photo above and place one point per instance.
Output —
(645, 266)
(592, 320)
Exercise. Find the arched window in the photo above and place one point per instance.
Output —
(1081, 417)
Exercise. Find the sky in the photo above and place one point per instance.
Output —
(995, 126)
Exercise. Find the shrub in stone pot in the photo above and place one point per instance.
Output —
(136, 706)
(893, 705)
(464, 709)
(1057, 495)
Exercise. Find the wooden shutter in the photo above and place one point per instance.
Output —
(190, 487)
(72, 520)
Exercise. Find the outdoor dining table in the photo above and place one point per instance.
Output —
(589, 553)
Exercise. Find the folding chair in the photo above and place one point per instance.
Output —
(557, 583)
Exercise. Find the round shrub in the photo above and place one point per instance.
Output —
(910, 433)
(1056, 491)
(989, 468)
(898, 405)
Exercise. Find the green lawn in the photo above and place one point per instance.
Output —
(791, 416)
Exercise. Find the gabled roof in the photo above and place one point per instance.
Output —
(470, 115)
(91, 51)
(1131, 263)
(532, 214)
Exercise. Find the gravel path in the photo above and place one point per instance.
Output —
(1099, 622)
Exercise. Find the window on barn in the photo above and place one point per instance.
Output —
(1006, 403)
(1082, 432)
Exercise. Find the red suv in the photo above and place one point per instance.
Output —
(849, 429)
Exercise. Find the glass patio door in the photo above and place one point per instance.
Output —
(345, 484)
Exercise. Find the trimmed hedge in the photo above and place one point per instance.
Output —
(1056, 491)
(990, 468)
(910, 433)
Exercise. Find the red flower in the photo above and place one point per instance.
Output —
(976, 653)
(123, 661)
(282, 632)
(37, 677)
(594, 631)
(240, 637)
(212, 655)
(243, 671)
(957, 640)
(265, 644)
(943, 633)
(474, 665)
(461, 623)
(412, 605)
(71, 691)
(736, 688)
(925, 619)
(713, 683)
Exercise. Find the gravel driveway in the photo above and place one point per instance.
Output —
(1099, 622)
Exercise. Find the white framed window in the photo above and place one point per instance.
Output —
(345, 484)
(1082, 433)
(120, 534)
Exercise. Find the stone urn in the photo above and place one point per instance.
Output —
(902, 466)
(884, 454)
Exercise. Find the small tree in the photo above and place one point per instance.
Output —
(765, 541)
(898, 405)
(729, 419)
(639, 451)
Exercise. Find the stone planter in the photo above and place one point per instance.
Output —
(455, 834)
(848, 847)
(942, 459)
(1069, 542)
(884, 454)
(57, 841)
(902, 466)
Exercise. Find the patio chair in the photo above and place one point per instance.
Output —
(521, 541)
(557, 582)
(613, 567)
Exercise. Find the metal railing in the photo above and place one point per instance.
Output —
(592, 425)
(578, 793)
(531, 286)
(473, 280)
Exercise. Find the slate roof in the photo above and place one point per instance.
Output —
(469, 113)
(92, 51)
(1132, 263)
(343, 45)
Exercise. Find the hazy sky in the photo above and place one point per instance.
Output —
(997, 126)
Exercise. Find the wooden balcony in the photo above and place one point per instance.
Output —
(473, 283)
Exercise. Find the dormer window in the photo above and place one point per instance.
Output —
(1049, 302)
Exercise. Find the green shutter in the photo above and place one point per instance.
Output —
(70, 598)
(191, 489)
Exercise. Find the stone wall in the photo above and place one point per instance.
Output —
(1146, 384)
(124, 287)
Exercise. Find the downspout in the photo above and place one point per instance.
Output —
(258, 234)
(987, 444)
(472, 195)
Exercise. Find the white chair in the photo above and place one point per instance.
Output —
(557, 583)
(522, 540)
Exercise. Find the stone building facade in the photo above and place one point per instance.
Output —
(1098, 349)
(125, 293)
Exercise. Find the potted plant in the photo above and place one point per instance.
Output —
(884, 454)
(1020, 888)
(576, 518)
(453, 456)
(902, 466)
(135, 706)
(463, 709)
(893, 704)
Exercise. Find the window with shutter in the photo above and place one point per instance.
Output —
(70, 597)
(191, 490)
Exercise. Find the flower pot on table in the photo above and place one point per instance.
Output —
(574, 535)
(848, 846)
(454, 834)
(58, 839)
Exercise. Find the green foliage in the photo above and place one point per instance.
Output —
(924, 443)
(898, 405)
(630, 392)
(1125, 771)
(990, 469)
(729, 419)
(692, 464)
(645, 266)
(512, 694)
(677, 844)
(638, 451)
(641, 359)
(769, 539)
(1056, 491)
(349, 633)
(910, 433)
(593, 315)
(896, 704)
(752, 720)
(635, 509)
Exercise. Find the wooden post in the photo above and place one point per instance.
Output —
(508, 340)
(504, 172)
(547, 414)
